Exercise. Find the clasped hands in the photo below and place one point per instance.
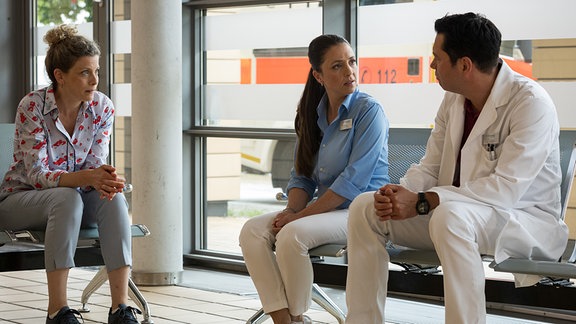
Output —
(394, 202)
(108, 184)
(282, 218)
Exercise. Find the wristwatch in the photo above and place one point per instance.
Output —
(422, 206)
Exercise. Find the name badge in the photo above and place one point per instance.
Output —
(346, 124)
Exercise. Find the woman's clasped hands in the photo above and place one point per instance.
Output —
(107, 182)
(284, 217)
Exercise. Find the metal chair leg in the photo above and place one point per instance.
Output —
(320, 298)
(96, 282)
(139, 300)
(258, 318)
(133, 291)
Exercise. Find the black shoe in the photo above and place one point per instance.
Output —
(65, 315)
(124, 315)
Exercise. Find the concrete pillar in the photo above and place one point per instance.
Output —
(157, 139)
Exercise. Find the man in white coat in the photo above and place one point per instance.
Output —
(489, 182)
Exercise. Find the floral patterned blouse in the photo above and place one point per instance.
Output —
(43, 149)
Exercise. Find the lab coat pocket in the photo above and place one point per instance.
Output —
(490, 159)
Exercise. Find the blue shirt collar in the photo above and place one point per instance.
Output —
(346, 104)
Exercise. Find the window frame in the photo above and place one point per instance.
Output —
(339, 16)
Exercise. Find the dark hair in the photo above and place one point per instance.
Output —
(65, 48)
(471, 35)
(305, 124)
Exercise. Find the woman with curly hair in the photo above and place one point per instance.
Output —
(60, 180)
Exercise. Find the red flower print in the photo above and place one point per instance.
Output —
(32, 105)
(81, 127)
(60, 161)
(99, 141)
(75, 141)
(38, 186)
(39, 145)
(36, 130)
(22, 118)
(79, 161)
(106, 109)
(59, 143)
(98, 119)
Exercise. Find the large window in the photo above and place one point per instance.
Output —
(253, 72)
(395, 50)
(253, 65)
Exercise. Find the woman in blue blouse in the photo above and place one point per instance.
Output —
(341, 151)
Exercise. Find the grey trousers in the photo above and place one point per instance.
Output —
(61, 212)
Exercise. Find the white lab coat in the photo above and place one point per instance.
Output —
(521, 181)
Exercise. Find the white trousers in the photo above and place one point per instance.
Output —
(459, 232)
(279, 265)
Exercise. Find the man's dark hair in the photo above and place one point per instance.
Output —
(471, 35)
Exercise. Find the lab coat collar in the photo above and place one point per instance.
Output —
(498, 99)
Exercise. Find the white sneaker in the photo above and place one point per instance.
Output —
(305, 320)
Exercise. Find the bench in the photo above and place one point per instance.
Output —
(23, 250)
(405, 147)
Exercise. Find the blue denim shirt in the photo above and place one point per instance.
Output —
(353, 154)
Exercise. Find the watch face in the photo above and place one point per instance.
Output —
(422, 206)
